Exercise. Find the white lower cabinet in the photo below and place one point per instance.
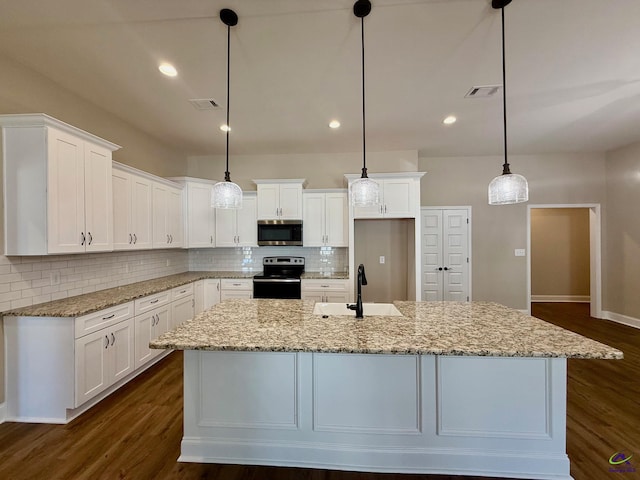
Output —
(148, 326)
(236, 288)
(206, 294)
(102, 358)
(326, 291)
(182, 305)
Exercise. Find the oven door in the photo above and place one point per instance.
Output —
(277, 288)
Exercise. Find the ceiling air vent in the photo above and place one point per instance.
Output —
(484, 91)
(204, 103)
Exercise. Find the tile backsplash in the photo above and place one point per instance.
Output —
(30, 280)
(317, 259)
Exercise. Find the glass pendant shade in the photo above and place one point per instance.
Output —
(507, 189)
(226, 195)
(364, 192)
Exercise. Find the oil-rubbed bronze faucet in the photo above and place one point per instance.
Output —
(362, 280)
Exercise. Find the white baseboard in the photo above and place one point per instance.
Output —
(623, 319)
(3, 412)
(561, 298)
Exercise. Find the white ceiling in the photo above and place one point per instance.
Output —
(573, 71)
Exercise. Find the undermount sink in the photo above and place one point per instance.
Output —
(383, 309)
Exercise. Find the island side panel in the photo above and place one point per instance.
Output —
(379, 413)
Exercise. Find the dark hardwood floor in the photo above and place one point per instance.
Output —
(135, 433)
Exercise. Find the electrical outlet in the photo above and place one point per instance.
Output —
(520, 252)
(381, 259)
(55, 278)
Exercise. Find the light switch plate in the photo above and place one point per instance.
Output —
(381, 259)
(520, 252)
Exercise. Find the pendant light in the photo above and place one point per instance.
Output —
(507, 188)
(363, 191)
(227, 194)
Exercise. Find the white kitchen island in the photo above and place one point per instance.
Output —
(451, 388)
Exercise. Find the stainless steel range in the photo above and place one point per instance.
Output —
(280, 278)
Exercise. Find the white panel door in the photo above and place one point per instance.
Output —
(122, 214)
(175, 223)
(200, 216)
(247, 224)
(399, 199)
(432, 255)
(91, 352)
(268, 207)
(98, 198)
(121, 350)
(142, 212)
(160, 208)
(445, 254)
(313, 220)
(65, 210)
(336, 220)
(290, 201)
(455, 254)
(211, 293)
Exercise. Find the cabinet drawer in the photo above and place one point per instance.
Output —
(182, 291)
(333, 285)
(237, 284)
(104, 318)
(156, 300)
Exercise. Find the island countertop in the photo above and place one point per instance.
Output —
(428, 328)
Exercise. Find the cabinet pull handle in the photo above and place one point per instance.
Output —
(183, 291)
(153, 324)
(167, 238)
(171, 237)
(107, 344)
(110, 316)
(83, 238)
(90, 237)
(130, 239)
(113, 339)
(325, 286)
(448, 268)
(211, 239)
(385, 208)
(218, 286)
(135, 239)
(155, 301)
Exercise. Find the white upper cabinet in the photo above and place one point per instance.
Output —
(325, 219)
(59, 178)
(399, 196)
(168, 226)
(280, 199)
(199, 215)
(132, 215)
(238, 227)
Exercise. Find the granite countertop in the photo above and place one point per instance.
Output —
(92, 302)
(430, 328)
(325, 276)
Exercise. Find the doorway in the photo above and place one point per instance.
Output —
(551, 215)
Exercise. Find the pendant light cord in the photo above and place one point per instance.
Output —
(505, 166)
(364, 140)
(227, 176)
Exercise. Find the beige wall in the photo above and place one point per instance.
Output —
(320, 170)
(389, 238)
(24, 91)
(560, 252)
(622, 272)
(498, 275)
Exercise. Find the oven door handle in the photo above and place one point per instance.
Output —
(276, 280)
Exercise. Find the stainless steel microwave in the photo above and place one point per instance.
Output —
(280, 232)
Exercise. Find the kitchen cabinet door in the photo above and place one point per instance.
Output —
(160, 215)
(247, 223)
(65, 202)
(279, 200)
(226, 227)
(175, 218)
(122, 214)
(399, 199)
(149, 326)
(211, 293)
(92, 375)
(98, 198)
(314, 220)
(182, 310)
(269, 204)
(336, 219)
(201, 224)
(121, 350)
(290, 201)
(141, 212)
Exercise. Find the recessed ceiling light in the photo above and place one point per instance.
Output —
(334, 124)
(449, 120)
(168, 69)
(225, 128)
